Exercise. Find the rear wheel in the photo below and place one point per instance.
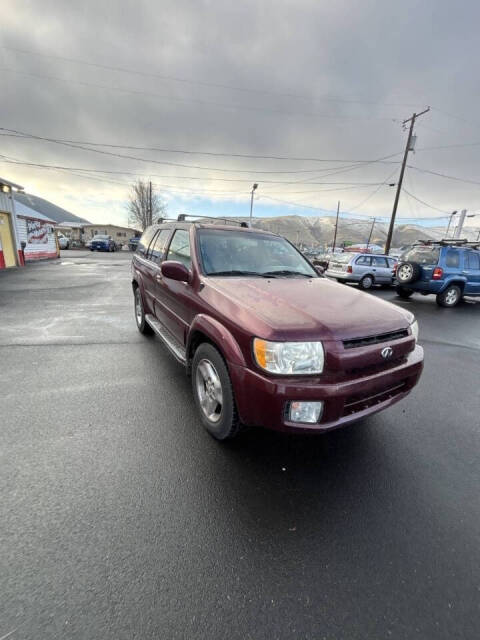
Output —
(403, 292)
(142, 324)
(450, 297)
(213, 393)
(366, 282)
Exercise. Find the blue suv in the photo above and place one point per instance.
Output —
(450, 269)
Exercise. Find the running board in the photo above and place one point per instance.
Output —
(172, 344)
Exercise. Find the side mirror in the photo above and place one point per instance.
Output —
(320, 270)
(175, 271)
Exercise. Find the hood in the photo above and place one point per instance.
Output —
(297, 308)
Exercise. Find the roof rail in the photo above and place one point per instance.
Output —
(182, 217)
(446, 242)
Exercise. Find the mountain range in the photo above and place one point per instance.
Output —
(311, 231)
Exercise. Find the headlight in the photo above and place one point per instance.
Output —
(289, 357)
(414, 328)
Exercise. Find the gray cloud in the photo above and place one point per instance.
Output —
(325, 80)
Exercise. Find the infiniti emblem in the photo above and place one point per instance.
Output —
(387, 352)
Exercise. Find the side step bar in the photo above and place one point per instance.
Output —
(172, 344)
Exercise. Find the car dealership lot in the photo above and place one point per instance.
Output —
(122, 518)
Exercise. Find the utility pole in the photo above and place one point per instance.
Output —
(454, 213)
(336, 226)
(371, 231)
(402, 171)
(150, 212)
(254, 187)
(459, 227)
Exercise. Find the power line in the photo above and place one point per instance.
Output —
(209, 103)
(194, 152)
(278, 182)
(167, 163)
(430, 206)
(443, 175)
(357, 206)
(217, 85)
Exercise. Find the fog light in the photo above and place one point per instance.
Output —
(305, 411)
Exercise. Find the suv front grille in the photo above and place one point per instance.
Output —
(384, 337)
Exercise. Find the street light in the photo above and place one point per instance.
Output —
(255, 186)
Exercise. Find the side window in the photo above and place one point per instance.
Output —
(380, 262)
(157, 248)
(391, 263)
(180, 247)
(364, 260)
(145, 240)
(473, 260)
(452, 259)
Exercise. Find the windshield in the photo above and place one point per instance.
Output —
(421, 255)
(230, 253)
(100, 238)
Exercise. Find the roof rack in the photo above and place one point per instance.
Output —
(449, 242)
(182, 217)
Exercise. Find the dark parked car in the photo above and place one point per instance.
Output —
(133, 243)
(268, 342)
(448, 269)
(102, 243)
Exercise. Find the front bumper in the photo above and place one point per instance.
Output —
(263, 401)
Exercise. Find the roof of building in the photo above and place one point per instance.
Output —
(12, 185)
(71, 225)
(52, 211)
(109, 224)
(26, 212)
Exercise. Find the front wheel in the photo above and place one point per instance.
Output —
(366, 282)
(450, 297)
(213, 393)
(403, 292)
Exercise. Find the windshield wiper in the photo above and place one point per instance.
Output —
(234, 272)
(286, 272)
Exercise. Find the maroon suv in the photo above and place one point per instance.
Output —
(267, 340)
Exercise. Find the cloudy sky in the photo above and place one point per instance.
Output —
(205, 97)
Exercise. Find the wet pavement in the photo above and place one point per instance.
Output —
(121, 518)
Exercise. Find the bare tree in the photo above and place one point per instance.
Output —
(144, 205)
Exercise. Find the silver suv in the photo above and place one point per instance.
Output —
(366, 269)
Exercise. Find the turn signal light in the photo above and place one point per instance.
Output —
(437, 273)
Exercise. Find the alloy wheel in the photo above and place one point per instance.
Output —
(209, 390)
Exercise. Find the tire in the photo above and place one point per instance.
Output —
(366, 282)
(450, 297)
(142, 324)
(213, 393)
(407, 272)
(403, 292)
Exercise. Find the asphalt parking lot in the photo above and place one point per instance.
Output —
(121, 518)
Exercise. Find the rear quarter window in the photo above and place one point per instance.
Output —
(452, 258)
(473, 260)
